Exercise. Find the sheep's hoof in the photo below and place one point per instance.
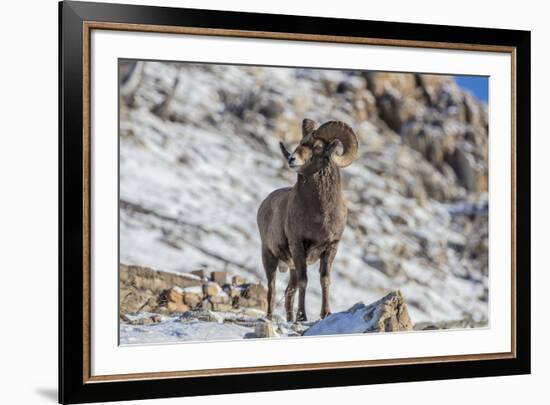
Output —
(301, 316)
(326, 313)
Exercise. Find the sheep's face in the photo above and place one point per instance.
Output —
(311, 155)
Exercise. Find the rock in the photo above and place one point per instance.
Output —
(219, 277)
(206, 305)
(199, 273)
(265, 330)
(232, 291)
(255, 291)
(204, 315)
(354, 85)
(432, 86)
(221, 298)
(175, 294)
(131, 76)
(134, 300)
(389, 314)
(124, 319)
(272, 109)
(191, 299)
(237, 280)
(252, 296)
(211, 289)
(300, 328)
(473, 114)
(472, 174)
(156, 318)
(378, 82)
(175, 307)
(143, 289)
(426, 327)
(384, 265)
(252, 303)
(144, 278)
(145, 321)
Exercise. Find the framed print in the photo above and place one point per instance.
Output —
(256, 202)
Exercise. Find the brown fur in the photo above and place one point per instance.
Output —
(304, 223)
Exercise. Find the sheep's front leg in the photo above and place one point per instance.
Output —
(270, 266)
(298, 253)
(289, 295)
(324, 269)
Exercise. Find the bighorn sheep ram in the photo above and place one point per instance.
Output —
(304, 223)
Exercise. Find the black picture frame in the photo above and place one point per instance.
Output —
(73, 384)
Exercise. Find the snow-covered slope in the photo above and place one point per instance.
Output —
(194, 169)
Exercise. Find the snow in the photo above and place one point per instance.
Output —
(351, 321)
(197, 289)
(201, 326)
(175, 331)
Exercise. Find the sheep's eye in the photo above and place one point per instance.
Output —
(318, 146)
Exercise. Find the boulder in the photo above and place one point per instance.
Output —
(237, 280)
(156, 318)
(175, 307)
(199, 273)
(389, 314)
(252, 303)
(255, 291)
(156, 281)
(265, 330)
(145, 321)
(211, 289)
(219, 277)
(124, 319)
(192, 299)
(232, 292)
(378, 82)
(175, 294)
(221, 298)
(472, 174)
(206, 305)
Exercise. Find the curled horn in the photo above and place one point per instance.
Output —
(308, 126)
(338, 130)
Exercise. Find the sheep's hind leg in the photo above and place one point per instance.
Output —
(290, 293)
(324, 269)
(270, 266)
(299, 258)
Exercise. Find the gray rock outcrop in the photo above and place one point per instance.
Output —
(388, 314)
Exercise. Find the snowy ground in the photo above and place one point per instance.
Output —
(172, 331)
(203, 326)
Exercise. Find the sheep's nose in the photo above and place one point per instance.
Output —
(291, 160)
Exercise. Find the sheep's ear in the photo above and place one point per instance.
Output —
(286, 153)
(331, 147)
(308, 126)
